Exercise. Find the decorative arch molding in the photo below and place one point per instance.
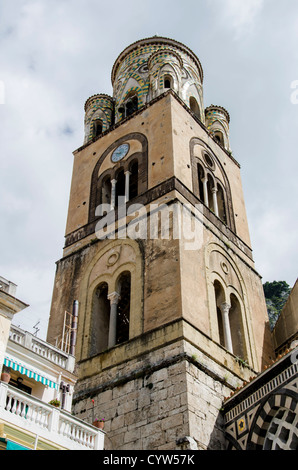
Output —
(224, 179)
(114, 258)
(143, 169)
(227, 273)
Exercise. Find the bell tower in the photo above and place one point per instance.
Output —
(171, 314)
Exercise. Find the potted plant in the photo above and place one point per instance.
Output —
(5, 374)
(55, 402)
(99, 423)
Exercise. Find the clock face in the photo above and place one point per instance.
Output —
(120, 152)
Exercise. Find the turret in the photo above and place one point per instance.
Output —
(98, 115)
(217, 123)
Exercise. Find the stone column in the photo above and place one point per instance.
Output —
(127, 175)
(113, 194)
(225, 308)
(204, 181)
(114, 299)
(214, 195)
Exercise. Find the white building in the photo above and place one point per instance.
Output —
(38, 373)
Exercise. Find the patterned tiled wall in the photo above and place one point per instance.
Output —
(264, 414)
(98, 107)
(140, 70)
(137, 72)
(217, 119)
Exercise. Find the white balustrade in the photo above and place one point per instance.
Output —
(48, 422)
(39, 346)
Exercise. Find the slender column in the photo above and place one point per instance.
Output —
(214, 195)
(113, 194)
(225, 308)
(127, 175)
(204, 181)
(114, 299)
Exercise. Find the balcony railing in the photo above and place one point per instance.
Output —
(47, 422)
(41, 347)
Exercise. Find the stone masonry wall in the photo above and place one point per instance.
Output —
(166, 400)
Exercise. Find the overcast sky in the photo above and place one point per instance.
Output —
(56, 53)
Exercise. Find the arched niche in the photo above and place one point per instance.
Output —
(112, 169)
(222, 270)
(115, 269)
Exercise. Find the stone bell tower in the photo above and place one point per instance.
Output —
(171, 312)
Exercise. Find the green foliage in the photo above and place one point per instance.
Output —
(276, 295)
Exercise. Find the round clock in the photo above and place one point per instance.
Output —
(120, 152)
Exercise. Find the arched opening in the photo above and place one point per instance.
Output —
(106, 191)
(97, 128)
(210, 186)
(236, 327)
(200, 181)
(221, 204)
(133, 180)
(219, 300)
(218, 136)
(167, 82)
(129, 106)
(100, 320)
(193, 104)
(123, 309)
(120, 186)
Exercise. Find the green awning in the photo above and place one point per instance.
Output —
(14, 446)
(26, 369)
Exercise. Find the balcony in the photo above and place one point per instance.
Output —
(58, 428)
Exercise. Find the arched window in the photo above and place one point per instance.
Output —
(167, 82)
(193, 104)
(123, 309)
(100, 319)
(120, 186)
(219, 300)
(97, 128)
(106, 191)
(210, 186)
(201, 175)
(129, 106)
(236, 327)
(133, 180)
(218, 136)
(221, 204)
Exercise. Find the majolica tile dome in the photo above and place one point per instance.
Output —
(147, 68)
